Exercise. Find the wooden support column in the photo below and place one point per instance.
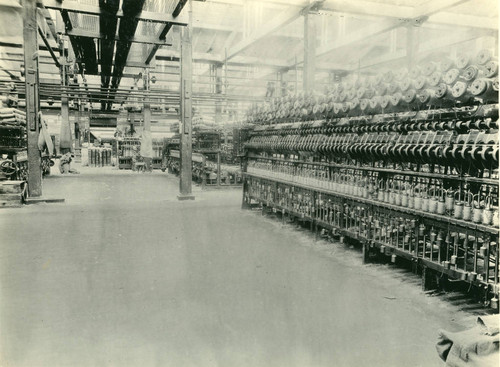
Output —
(78, 130)
(30, 36)
(218, 168)
(147, 103)
(146, 139)
(217, 70)
(186, 110)
(65, 138)
(309, 52)
(65, 132)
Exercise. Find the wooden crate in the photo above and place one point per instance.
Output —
(11, 193)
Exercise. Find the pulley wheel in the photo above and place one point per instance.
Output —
(8, 168)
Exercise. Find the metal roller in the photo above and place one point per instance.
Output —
(462, 61)
(351, 94)
(435, 78)
(451, 76)
(491, 69)
(374, 103)
(348, 85)
(337, 109)
(420, 82)
(365, 93)
(484, 56)
(429, 68)
(342, 96)
(379, 78)
(364, 105)
(410, 96)
(392, 88)
(385, 102)
(440, 95)
(484, 89)
(346, 106)
(415, 72)
(395, 100)
(388, 76)
(405, 84)
(460, 92)
(424, 96)
(445, 65)
(364, 83)
(470, 73)
(329, 108)
(400, 74)
(381, 89)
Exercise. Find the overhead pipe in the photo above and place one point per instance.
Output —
(107, 28)
(128, 25)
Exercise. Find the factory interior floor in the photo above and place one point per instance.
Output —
(123, 274)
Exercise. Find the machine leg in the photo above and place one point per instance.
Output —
(366, 253)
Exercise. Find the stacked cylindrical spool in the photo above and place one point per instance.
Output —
(469, 253)
(443, 83)
(429, 195)
(367, 142)
(99, 157)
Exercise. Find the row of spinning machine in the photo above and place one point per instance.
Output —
(406, 163)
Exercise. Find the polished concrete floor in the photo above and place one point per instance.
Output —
(123, 274)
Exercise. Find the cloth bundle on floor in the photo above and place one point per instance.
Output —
(475, 347)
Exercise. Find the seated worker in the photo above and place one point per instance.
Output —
(65, 163)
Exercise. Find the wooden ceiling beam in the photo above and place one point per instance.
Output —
(278, 22)
(352, 39)
(464, 20)
(432, 7)
(371, 8)
(425, 47)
